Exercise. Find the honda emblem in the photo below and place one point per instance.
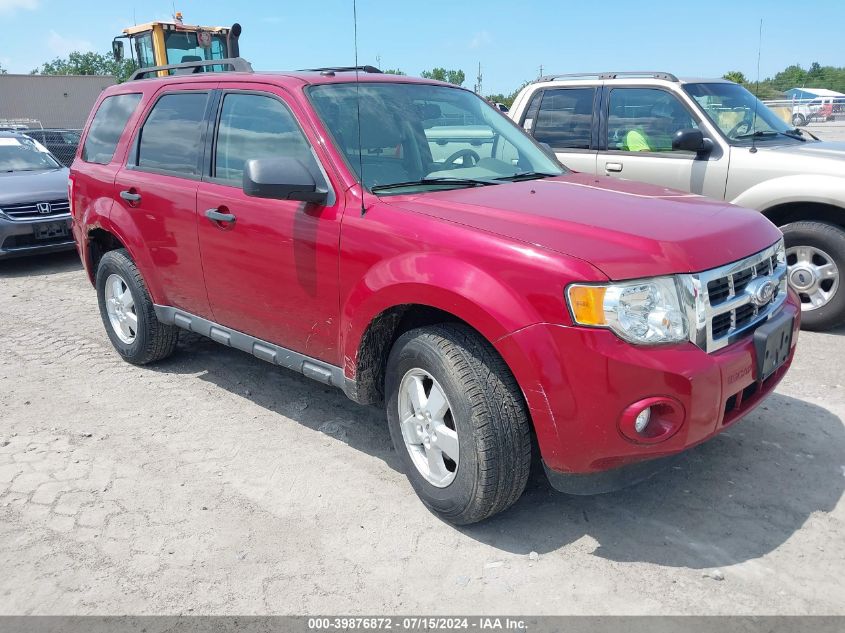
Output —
(44, 208)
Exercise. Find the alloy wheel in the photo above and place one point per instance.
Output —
(428, 427)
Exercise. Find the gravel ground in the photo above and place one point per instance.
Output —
(215, 483)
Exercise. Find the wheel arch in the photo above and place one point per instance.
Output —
(105, 236)
(785, 199)
(99, 242)
(787, 212)
(366, 385)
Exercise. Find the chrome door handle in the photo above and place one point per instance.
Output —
(217, 216)
(130, 196)
(613, 166)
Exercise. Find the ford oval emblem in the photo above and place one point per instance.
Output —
(762, 291)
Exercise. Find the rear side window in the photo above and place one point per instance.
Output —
(107, 127)
(565, 119)
(171, 139)
(255, 126)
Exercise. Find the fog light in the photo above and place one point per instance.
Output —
(642, 420)
(651, 420)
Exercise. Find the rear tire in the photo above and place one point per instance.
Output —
(128, 312)
(798, 120)
(816, 250)
(487, 422)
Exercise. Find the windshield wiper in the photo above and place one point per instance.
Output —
(769, 133)
(795, 133)
(802, 133)
(468, 182)
(527, 175)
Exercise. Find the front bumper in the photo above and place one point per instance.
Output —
(579, 381)
(18, 237)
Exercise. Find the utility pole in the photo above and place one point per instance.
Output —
(478, 89)
(378, 60)
(541, 70)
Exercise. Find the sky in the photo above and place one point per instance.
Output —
(511, 40)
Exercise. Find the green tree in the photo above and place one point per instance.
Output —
(2, 70)
(393, 71)
(456, 77)
(78, 63)
(509, 98)
(735, 76)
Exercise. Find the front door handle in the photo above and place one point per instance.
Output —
(216, 215)
(613, 167)
(131, 196)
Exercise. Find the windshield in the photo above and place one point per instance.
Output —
(732, 109)
(184, 46)
(24, 154)
(420, 137)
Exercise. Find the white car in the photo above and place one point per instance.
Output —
(708, 137)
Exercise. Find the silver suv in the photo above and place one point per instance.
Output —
(710, 137)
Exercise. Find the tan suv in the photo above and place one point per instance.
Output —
(710, 137)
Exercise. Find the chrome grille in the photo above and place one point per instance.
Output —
(31, 211)
(728, 302)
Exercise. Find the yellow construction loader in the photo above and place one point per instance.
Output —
(168, 43)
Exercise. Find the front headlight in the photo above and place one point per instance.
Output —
(780, 252)
(645, 312)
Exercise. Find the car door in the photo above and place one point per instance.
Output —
(636, 131)
(271, 271)
(564, 119)
(157, 192)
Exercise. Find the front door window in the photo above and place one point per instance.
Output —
(645, 120)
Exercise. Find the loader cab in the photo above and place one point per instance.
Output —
(166, 43)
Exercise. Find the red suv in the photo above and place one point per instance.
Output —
(403, 241)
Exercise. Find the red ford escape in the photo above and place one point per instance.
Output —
(403, 241)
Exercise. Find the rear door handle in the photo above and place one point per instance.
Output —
(217, 216)
(130, 196)
(613, 166)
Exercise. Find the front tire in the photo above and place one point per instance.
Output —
(458, 422)
(798, 120)
(128, 312)
(815, 256)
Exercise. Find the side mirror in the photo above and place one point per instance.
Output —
(117, 49)
(281, 179)
(692, 140)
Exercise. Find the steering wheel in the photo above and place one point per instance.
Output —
(465, 154)
(744, 125)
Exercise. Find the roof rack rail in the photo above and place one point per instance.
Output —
(654, 74)
(330, 70)
(235, 64)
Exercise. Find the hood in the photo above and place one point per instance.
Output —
(625, 229)
(33, 186)
(812, 157)
(814, 149)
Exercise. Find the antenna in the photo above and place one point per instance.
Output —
(757, 90)
(358, 105)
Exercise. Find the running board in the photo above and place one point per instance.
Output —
(309, 367)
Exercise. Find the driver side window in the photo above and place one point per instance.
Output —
(256, 126)
(645, 120)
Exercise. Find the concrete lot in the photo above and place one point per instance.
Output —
(828, 131)
(215, 483)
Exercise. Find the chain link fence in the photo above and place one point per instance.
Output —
(61, 142)
(800, 112)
